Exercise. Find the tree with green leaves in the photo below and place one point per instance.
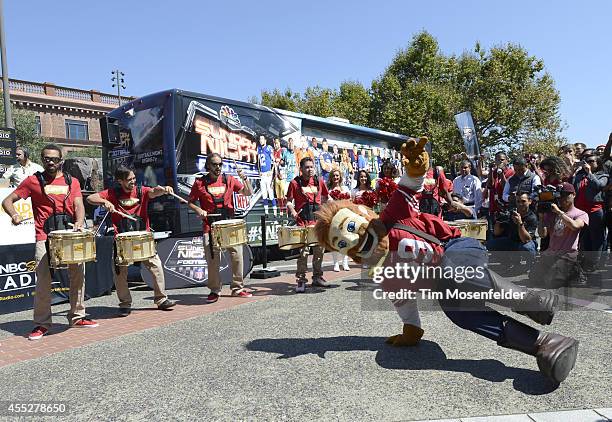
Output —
(513, 100)
(91, 152)
(352, 102)
(285, 100)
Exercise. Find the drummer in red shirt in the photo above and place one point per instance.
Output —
(215, 193)
(133, 200)
(56, 203)
(306, 192)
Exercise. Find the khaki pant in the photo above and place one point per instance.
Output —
(154, 265)
(42, 298)
(214, 264)
(317, 260)
(280, 188)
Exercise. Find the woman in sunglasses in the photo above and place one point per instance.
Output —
(589, 182)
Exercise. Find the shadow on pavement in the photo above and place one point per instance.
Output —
(427, 355)
(24, 327)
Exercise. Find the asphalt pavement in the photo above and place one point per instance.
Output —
(313, 356)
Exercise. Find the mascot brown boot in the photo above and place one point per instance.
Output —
(555, 354)
(539, 306)
(410, 337)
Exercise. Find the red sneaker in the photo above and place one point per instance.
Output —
(85, 323)
(37, 333)
(242, 293)
(212, 298)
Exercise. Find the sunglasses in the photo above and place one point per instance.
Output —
(54, 160)
(591, 161)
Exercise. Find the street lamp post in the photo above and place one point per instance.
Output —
(118, 82)
(8, 115)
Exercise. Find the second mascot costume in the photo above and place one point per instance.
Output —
(401, 234)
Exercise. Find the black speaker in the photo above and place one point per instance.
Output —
(110, 131)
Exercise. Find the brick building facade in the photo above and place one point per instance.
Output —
(66, 116)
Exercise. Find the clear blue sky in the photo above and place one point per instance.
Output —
(235, 49)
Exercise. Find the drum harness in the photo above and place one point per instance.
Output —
(310, 207)
(218, 203)
(56, 221)
(127, 225)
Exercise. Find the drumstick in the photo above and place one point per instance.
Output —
(183, 200)
(125, 215)
(101, 224)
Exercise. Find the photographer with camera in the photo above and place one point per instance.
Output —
(558, 265)
(533, 163)
(568, 155)
(589, 183)
(554, 172)
(514, 231)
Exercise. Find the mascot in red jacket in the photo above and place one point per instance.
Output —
(403, 235)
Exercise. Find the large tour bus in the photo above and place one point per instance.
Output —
(167, 136)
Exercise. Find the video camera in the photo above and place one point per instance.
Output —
(547, 195)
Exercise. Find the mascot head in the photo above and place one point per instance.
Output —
(415, 158)
(352, 230)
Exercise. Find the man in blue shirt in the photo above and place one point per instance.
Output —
(316, 151)
(362, 161)
(327, 161)
(265, 154)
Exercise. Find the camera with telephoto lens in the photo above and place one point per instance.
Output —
(504, 216)
(547, 195)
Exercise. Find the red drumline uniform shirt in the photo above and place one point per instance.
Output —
(405, 247)
(41, 204)
(303, 195)
(218, 189)
(128, 203)
(403, 208)
(435, 187)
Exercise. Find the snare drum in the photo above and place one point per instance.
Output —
(292, 237)
(229, 233)
(70, 247)
(476, 229)
(311, 239)
(463, 227)
(134, 247)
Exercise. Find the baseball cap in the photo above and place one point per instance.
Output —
(568, 188)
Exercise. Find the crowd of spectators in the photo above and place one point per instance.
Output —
(546, 215)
